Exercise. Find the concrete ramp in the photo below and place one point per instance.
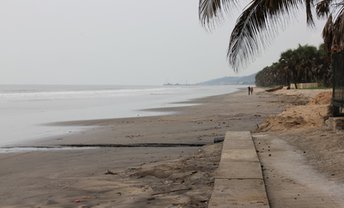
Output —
(239, 179)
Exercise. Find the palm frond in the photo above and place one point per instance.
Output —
(323, 8)
(327, 33)
(338, 30)
(333, 32)
(256, 26)
(210, 11)
(309, 15)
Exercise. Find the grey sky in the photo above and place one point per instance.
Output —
(121, 42)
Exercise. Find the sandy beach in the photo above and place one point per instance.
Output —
(147, 174)
(136, 176)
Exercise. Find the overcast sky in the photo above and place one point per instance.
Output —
(135, 42)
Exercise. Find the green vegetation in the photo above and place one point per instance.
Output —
(301, 65)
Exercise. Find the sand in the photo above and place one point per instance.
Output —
(134, 176)
(309, 110)
(302, 159)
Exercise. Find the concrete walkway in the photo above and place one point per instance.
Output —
(238, 180)
(291, 181)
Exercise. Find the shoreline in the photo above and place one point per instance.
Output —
(98, 126)
(93, 124)
(129, 177)
(173, 110)
(32, 113)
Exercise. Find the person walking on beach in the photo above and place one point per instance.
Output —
(249, 90)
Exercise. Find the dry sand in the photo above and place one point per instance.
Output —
(134, 176)
(303, 160)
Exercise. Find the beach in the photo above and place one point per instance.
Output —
(133, 176)
(169, 160)
(125, 104)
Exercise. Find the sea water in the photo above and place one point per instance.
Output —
(26, 109)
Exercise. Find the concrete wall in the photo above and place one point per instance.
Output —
(305, 85)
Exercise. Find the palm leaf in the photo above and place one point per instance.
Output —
(210, 11)
(338, 30)
(323, 8)
(327, 33)
(256, 26)
(309, 15)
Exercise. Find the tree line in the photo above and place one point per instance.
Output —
(301, 65)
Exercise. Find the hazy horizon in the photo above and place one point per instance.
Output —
(103, 42)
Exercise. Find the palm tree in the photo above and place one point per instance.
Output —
(261, 19)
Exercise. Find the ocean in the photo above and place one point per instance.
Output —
(27, 109)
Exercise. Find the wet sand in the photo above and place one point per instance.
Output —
(134, 176)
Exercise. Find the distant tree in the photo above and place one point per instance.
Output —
(303, 64)
(270, 76)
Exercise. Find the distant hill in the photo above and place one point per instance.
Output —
(244, 80)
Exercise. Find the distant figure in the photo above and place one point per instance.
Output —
(249, 90)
